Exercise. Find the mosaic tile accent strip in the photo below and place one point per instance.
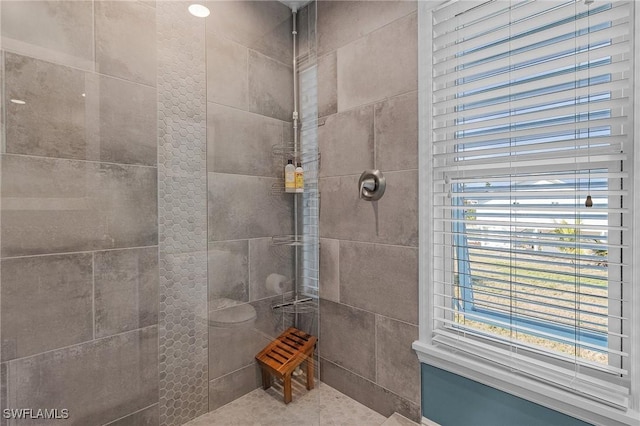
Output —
(182, 214)
(183, 338)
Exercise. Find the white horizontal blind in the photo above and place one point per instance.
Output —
(530, 116)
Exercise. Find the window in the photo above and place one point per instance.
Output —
(527, 206)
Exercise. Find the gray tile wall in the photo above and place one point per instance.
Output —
(367, 79)
(249, 107)
(78, 205)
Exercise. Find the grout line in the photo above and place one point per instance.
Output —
(249, 269)
(371, 243)
(375, 139)
(368, 380)
(372, 103)
(372, 312)
(235, 108)
(115, 77)
(136, 330)
(80, 160)
(95, 38)
(77, 252)
(76, 68)
(271, 58)
(371, 32)
(145, 4)
(130, 414)
(93, 291)
(234, 371)
(239, 174)
(375, 347)
(358, 174)
(224, 37)
(3, 94)
(246, 79)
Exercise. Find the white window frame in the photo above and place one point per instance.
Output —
(477, 370)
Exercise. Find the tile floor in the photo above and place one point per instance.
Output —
(323, 406)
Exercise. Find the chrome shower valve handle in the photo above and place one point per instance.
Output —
(371, 185)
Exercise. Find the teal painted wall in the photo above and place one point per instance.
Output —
(452, 400)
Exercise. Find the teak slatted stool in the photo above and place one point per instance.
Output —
(283, 355)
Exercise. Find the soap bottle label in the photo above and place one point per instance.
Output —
(299, 178)
(290, 181)
(290, 177)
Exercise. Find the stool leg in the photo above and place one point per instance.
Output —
(310, 372)
(287, 388)
(266, 379)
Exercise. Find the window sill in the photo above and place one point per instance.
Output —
(523, 387)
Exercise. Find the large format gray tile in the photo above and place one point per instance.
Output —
(330, 269)
(241, 142)
(87, 206)
(53, 122)
(367, 392)
(396, 133)
(264, 26)
(58, 31)
(46, 303)
(337, 26)
(126, 290)
(346, 142)
(397, 366)
(348, 338)
(327, 85)
(270, 87)
(227, 67)
(266, 259)
(391, 220)
(145, 417)
(243, 207)
(229, 270)
(380, 65)
(126, 40)
(77, 115)
(98, 381)
(125, 121)
(233, 348)
(380, 278)
(232, 386)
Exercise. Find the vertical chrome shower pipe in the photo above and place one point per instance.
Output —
(296, 245)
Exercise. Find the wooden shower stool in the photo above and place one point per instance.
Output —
(283, 355)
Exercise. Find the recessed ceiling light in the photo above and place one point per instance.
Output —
(199, 10)
(84, 95)
(18, 101)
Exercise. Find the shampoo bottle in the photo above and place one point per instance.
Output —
(290, 177)
(299, 178)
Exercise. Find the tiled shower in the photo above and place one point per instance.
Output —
(142, 208)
